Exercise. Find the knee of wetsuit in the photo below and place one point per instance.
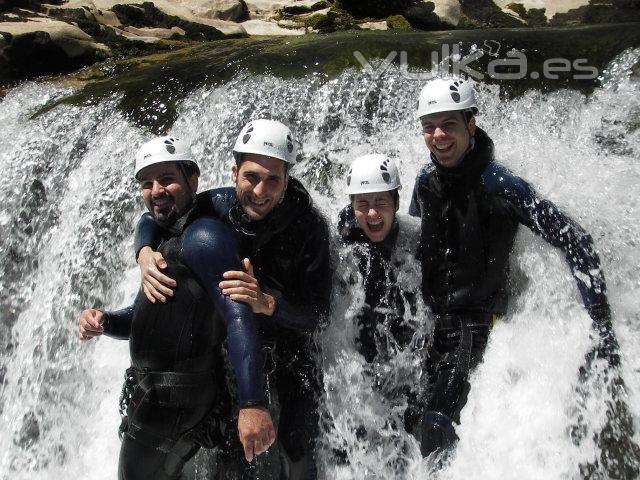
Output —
(436, 433)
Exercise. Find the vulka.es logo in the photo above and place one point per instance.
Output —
(513, 66)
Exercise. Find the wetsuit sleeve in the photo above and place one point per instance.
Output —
(558, 229)
(548, 221)
(117, 324)
(147, 234)
(305, 310)
(209, 249)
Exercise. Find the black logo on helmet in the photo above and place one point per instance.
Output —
(455, 96)
(385, 171)
(168, 143)
(289, 143)
(247, 134)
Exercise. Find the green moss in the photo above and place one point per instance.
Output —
(317, 21)
(398, 22)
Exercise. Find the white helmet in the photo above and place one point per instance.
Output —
(164, 149)
(266, 137)
(372, 173)
(446, 95)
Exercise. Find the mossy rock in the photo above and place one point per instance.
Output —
(398, 22)
(317, 21)
(487, 14)
(148, 15)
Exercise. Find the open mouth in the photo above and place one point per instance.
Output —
(375, 227)
(443, 148)
(258, 203)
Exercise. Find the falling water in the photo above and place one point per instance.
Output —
(68, 208)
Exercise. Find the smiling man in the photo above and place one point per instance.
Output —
(470, 209)
(286, 282)
(176, 397)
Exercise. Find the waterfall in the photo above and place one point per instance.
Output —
(69, 205)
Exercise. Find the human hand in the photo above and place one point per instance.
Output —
(244, 287)
(155, 285)
(256, 431)
(90, 324)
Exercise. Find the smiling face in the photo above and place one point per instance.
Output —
(260, 184)
(375, 213)
(166, 192)
(447, 135)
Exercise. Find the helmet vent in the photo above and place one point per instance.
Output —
(169, 146)
(349, 177)
(289, 143)
(455, 96)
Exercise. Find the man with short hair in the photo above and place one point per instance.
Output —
(176, 395)
(286, 280)
(470, 209)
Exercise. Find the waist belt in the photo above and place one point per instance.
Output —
(174, 389)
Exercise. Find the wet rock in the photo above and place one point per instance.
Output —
(423, 16)
(448, 11)
(29, 431)
(46, 46)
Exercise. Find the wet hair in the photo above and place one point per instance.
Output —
(190, 169)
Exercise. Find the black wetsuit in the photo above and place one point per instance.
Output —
(381, 320)
(470, 215)
(177, 397)
(289, 251)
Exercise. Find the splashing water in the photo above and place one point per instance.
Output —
(66, 219)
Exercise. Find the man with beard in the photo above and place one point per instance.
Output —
(286, 280)
(176, 396)
(470, 209)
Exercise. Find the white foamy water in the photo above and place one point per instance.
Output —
(68, 208)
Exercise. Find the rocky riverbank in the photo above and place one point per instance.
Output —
(60, 36)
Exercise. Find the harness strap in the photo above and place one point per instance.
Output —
(175, 389)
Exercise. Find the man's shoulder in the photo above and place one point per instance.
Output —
(206, 230)
(501, 181)
(426, 170)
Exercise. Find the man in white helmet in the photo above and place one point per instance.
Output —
(176, 398)
(286, 280)
(470, 209)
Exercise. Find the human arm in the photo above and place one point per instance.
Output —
(547, 220)
(209, 249)
(116, 324)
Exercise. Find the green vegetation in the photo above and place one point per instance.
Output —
(398, 22)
